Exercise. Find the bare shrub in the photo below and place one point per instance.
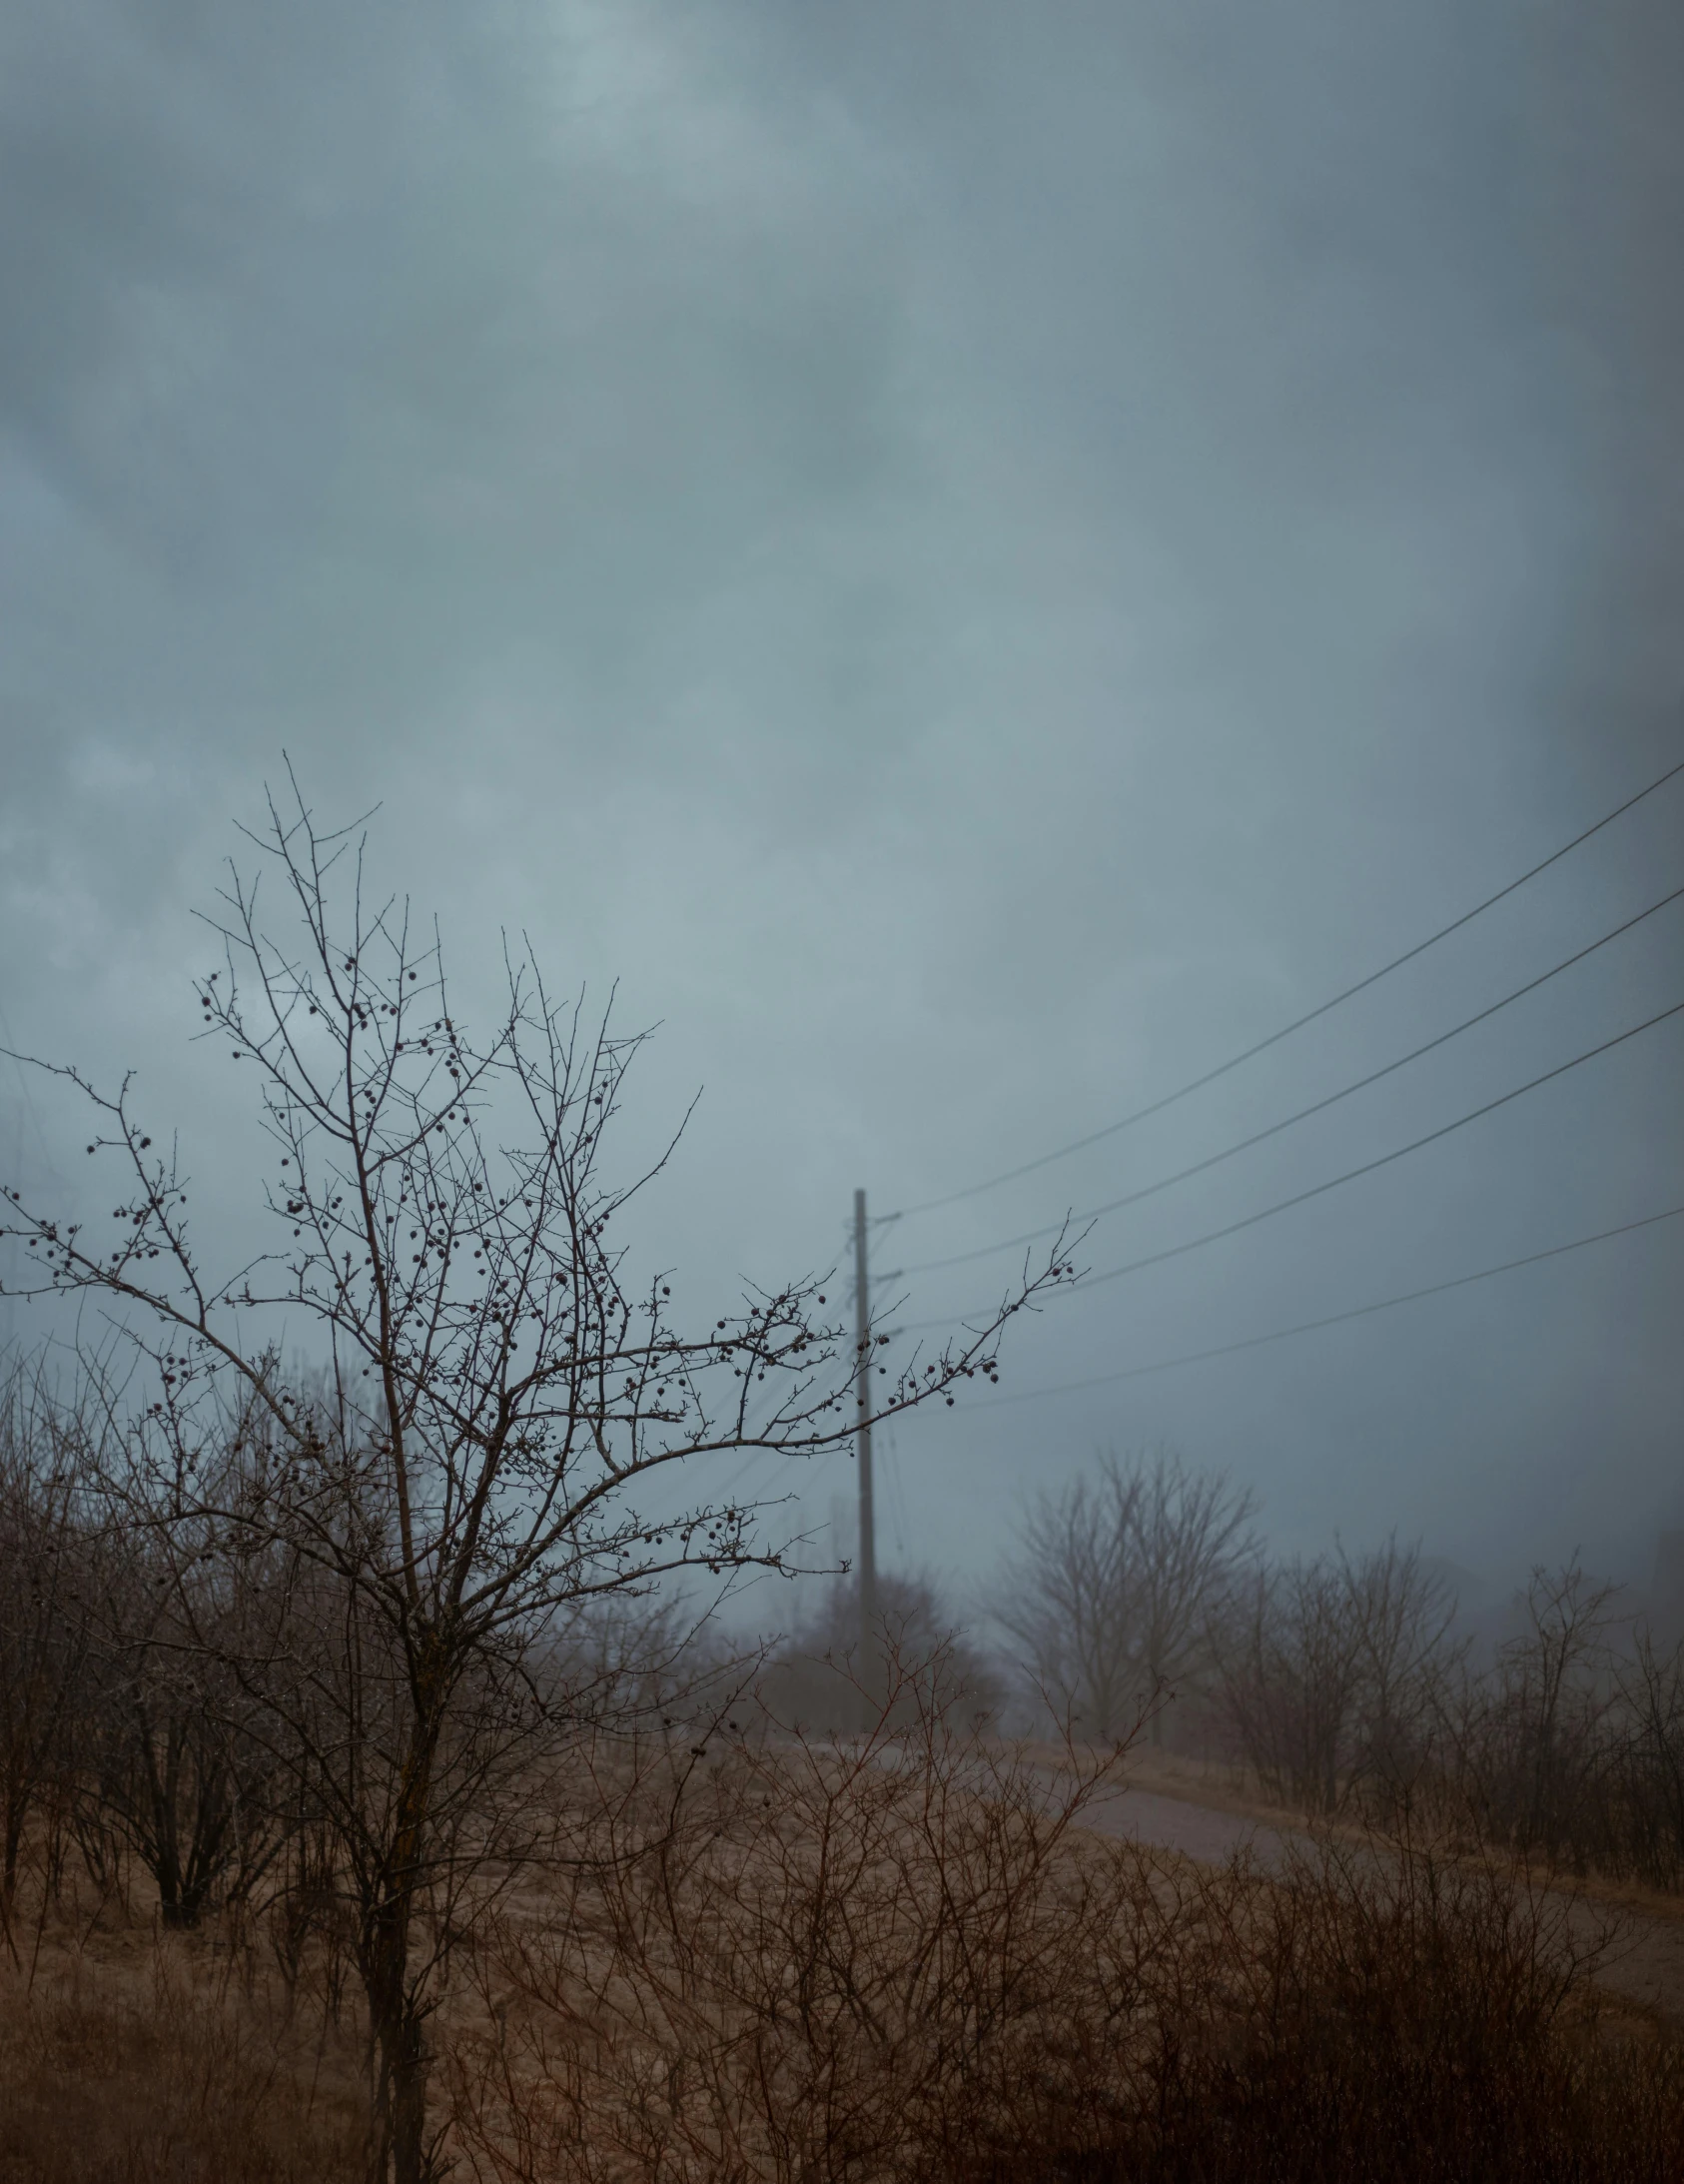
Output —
(1548, 1709)
(815, 1682)
(1572, 1748)
(174, 1759)
(789, 1958)
(1401, 2013)
(901, 1957)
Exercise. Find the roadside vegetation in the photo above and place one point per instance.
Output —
(899, 1955)
(1347, 1687)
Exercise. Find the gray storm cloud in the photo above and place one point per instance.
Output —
(977, 560)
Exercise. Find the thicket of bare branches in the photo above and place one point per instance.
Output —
(790, 1960)
(903, 1958)
(694, 1943)
(46, 1624)
(1330, 1672)
(1571, 1747)
(1344, 1684)
(1345, 1688)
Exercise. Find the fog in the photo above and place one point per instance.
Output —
(977, 561)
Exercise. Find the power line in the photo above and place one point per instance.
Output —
(1027, 1167)
(1331, 1319)
(1384, 1160)
(1316, 1190)
(1212, 1160)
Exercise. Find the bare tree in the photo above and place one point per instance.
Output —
(1556, 1683)
(1652, 1690)
(45, 1598)
(1329, 1671)
(1532, 1747)
(1291, 1676)
(503, 1403)
(1404, 1616)
(176, 1756)
(1068, 1599)
(1114, 1588)
(1192, 1538)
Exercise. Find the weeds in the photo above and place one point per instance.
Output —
(903, 1959)
(900, 1958)
(157, 2062)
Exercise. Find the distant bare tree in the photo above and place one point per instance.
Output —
(1329, 1671)
(1112, 1589)
(1290, 1675)
(1534, 1745)
(501, 1404)
(1652, 1690)
(1405, 1619)
(1068, 1600)
(1193, 1538)
(1556, 1682)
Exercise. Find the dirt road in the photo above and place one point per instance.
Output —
(1645, 1966)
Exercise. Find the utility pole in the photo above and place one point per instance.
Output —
(868, 1535)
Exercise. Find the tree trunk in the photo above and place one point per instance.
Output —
(397, 2015)
(9, 1868)
(401, 2096)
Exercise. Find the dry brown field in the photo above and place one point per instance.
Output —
(941, 1961)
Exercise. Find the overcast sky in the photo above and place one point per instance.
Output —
(977, 559)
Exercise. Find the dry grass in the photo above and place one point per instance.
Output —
(130, 2056)
(902, 1962)
(911, 1964)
